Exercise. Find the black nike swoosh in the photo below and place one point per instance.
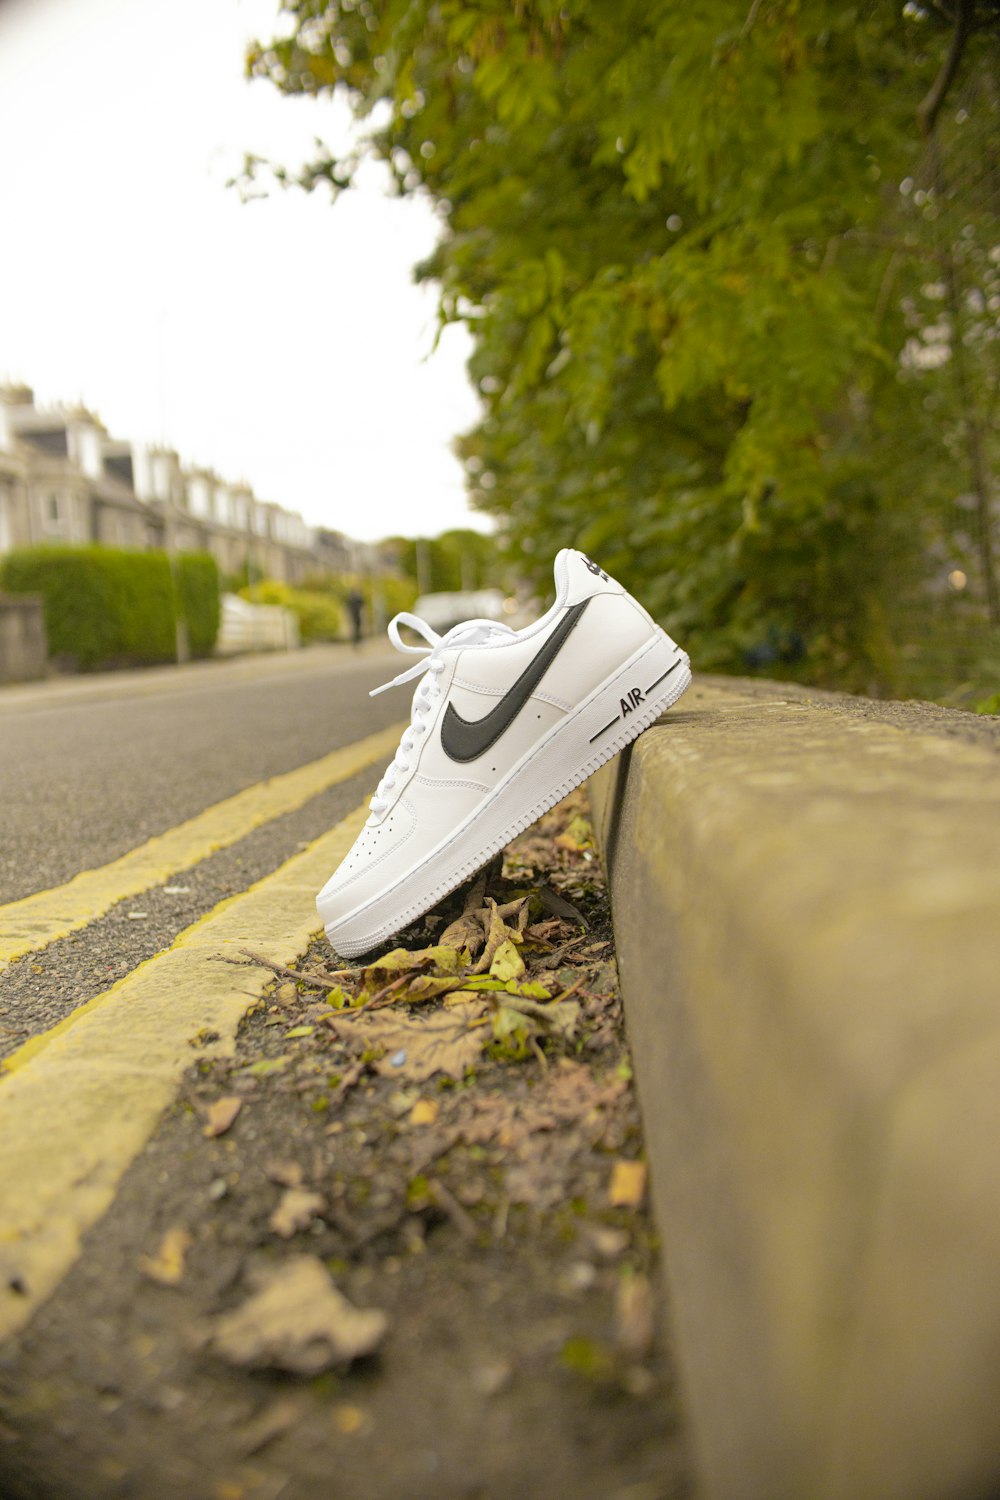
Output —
(463, 741)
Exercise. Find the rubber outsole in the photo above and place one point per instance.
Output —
(676, 681)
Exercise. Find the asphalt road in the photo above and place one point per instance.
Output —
(90, 768)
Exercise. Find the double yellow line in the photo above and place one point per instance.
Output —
(35, 921)
(80, 1101)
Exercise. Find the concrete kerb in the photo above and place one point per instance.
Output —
(806, 905)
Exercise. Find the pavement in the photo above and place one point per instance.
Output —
(805, 890)
(91, 766)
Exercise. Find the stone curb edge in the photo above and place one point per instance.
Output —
(805, 900)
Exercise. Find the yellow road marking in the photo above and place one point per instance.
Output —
(76, 1112)
(34, 921)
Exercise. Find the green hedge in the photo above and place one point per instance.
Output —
(385, 594)
(107, 607)
(319, 615)
(320, 602)
(196, 576)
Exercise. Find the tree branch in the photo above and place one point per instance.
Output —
(930, 106)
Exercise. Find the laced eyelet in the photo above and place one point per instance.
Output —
(471, 633)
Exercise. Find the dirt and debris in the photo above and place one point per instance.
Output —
(295, 1320)
(397, 1246)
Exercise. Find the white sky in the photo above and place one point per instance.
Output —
(280, 341)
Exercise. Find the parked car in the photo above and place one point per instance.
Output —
(442, 611)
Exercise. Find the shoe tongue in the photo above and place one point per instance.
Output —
(475, 632)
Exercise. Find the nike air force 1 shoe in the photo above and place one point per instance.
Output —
(503, 725)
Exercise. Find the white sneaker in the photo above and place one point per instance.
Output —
(503, 725)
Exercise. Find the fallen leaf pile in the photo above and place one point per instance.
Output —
(464, 1076)
(500, 971)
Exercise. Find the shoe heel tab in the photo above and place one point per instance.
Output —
(578, 577)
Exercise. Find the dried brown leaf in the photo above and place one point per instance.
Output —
(418, 1047)
(350, 1419)
(297, 1321)
(296, 1210)
(167, 1265)
(498, 932)
(442, 958)
(515, 913)
(635, 1309)
(284, 1173)
(507, 962)
(559, 906)
(273, 1422)
(559, 1018)
(467, 931)
(628, 1184)
(491, 1115)
(550, 930)
(221, 1114)
(606, 1241)
(428, 986)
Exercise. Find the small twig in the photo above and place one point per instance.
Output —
(602, 1000)
(930, 106)
(885, 287)
(387, 989)
(573, 989)
(443, 1199)
(553, 958)
(283, 972)
(375, 1002)
(751, 18)
(500, 1219)
(350, 1078)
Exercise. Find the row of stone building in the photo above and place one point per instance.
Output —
(63, 479)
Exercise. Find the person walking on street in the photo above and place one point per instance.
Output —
(356, 610)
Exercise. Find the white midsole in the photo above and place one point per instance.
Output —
(588, 736)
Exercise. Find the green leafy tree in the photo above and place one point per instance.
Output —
(457, 559)
(676, 234)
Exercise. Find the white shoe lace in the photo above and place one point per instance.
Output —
(432, 664)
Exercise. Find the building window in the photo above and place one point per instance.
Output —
(161, 478)
(198, 498)
(55, 516)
